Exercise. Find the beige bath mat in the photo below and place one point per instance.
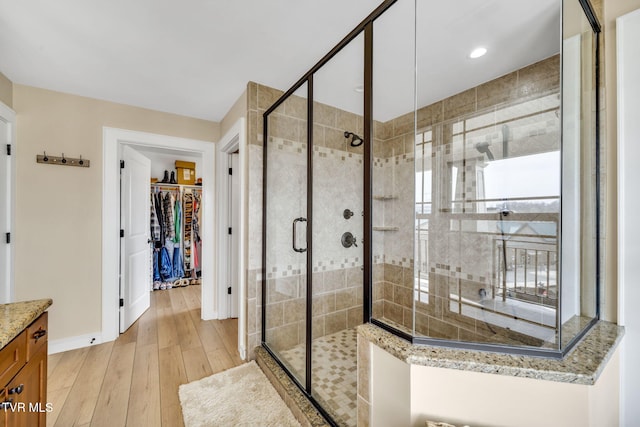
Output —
(240, 396)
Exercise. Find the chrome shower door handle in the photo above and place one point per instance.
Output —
(295, 222)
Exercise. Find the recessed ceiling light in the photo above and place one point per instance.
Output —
(477, 52)
(359, 88)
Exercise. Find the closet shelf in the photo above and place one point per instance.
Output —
(176, 186)
(384, 197)
(386, 228)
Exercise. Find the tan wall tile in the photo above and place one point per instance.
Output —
(497, 91)
(539, 77)
(296, 106)
(317, 327)
(285, 337)
(382, 130)
(460, 104)
(252, 96)
(354, 316)
(377, 309)
(364, 368)
(404, 124)
(318, 136)
(335, 139)
(393, 312)
(294, 310)
(422, 324)
(253, 129)
(334, 280)
(345, 299)
(267, 96)
(355, 277)
(440, 329)
(347, 121)
(387, 289)
(363, 413)
(281, 126)
(393, 274)
(324, 115)
(275, 315)
(318, 283)
(252, 315)
(407, 318)
(324, 304)
(403, 296)
(335, 322)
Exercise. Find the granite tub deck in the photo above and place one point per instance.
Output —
(583, 365)
(16, 316)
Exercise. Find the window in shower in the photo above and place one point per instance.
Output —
(498, 210)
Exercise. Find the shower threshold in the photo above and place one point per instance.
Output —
(334, 367)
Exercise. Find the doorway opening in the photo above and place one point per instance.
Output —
(113, 142)
(161, 217)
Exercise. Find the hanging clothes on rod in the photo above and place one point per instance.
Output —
(175, 219)
(197, 247)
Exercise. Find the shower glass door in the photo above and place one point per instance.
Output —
(337, 247)
(286, 233)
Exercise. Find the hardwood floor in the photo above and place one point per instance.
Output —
(133, 381)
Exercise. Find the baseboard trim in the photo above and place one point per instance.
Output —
(72, 343)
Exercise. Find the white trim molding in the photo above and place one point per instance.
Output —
(628, 94)
(111, 141)
(73, 343)
(234, 139)
(8, 116)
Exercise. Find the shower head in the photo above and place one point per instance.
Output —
(483, 148)
(356, 141)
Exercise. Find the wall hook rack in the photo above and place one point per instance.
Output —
(62, 160)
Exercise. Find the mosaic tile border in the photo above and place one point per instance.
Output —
(386, 259)
(457, 273)
(278, 272)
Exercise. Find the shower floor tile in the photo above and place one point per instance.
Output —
(334, 381)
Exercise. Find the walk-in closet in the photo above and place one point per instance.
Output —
(175, 235)
(175, 220)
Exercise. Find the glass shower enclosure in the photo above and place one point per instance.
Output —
(449, 200)
(314, 230)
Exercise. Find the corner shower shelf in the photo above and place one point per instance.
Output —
(383, 197)
(386, 228)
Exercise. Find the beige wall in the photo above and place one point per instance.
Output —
(6, 91)
(58, 209)
(237, 111)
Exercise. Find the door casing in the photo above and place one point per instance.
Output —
(112, 140)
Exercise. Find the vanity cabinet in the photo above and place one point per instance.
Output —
(23, 377)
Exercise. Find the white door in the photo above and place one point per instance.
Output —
(6, 138)
(135, 251)
(234, 218)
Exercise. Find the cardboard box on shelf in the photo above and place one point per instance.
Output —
(186, 172)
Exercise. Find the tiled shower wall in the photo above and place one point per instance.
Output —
(337, 303)
(338, 171)
(394, 172)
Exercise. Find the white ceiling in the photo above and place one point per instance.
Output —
(194, 57)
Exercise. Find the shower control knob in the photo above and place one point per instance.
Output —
(349, 240)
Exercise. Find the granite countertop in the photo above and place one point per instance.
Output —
(16, 316)
(582, 365)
